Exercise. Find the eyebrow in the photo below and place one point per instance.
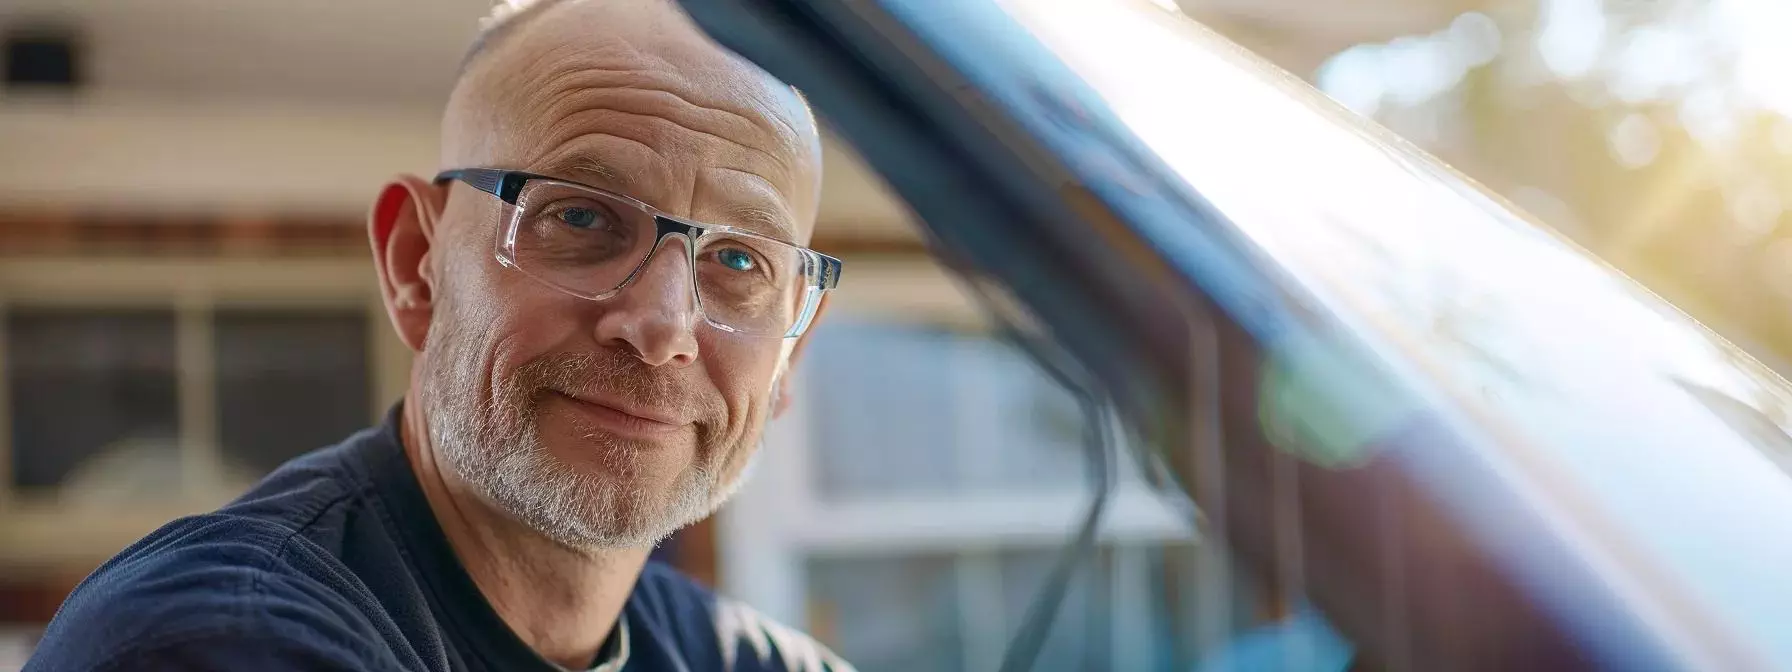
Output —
(590, 170)
(764, 221)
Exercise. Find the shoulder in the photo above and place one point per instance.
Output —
(250, 574)
(736, 636)
(206, 592)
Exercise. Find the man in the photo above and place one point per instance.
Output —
(604, 290)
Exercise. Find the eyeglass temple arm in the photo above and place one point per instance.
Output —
(830, 271)
(505, 184)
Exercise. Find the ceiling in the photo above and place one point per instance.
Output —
(293, 105)
(386, 51)
(357, 85)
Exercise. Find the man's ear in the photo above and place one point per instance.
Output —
(402, 229)
(781, 396)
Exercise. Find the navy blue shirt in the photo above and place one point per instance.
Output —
(335, 562)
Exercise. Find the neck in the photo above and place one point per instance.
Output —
(562, 603)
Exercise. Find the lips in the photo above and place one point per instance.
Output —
(627, 420)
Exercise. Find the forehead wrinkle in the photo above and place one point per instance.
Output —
(532, 75)
(645, 82)
(580, 122)
(759, 119)
(654, 69)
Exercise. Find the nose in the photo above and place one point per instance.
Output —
(655, 316)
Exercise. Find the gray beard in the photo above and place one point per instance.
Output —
(494, 445)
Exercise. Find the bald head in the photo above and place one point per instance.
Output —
(630, 95)
(504, 17)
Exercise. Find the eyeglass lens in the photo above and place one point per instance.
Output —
(590, 243)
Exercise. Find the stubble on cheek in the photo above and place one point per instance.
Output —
(554, 471)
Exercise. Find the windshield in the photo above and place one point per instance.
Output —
(1466, 441)
(1624, 407)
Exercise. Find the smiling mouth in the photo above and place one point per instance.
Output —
(620, 422)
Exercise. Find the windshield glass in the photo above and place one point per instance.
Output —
(1627, 409)
(1393, 396)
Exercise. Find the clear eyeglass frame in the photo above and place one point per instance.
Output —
(821, 272)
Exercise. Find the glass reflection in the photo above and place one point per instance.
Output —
(1577, 373)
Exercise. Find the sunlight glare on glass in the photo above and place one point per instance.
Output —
(1634, 141)
(1756, 208)
(1475, 38)
(1714, 60)
(1761, 30)
(1729, 55)
(1573, 34)
(1412, 69)
(1708, 114)
(1396, 245)
(1656, 60)
(1354, 79)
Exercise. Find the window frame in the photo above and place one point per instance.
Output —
(37, 531)
(780, 520)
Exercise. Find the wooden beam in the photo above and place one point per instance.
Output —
(78, 234)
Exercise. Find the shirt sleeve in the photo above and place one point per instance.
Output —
(208, 604)
(271, 631)
(222, 651)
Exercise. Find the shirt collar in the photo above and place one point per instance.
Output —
(619, 653)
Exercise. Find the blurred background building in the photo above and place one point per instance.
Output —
(186, 298)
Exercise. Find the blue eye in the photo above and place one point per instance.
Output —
(582, 218)
(736, 259)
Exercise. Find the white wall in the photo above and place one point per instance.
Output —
(157, 156)
(162, 155)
